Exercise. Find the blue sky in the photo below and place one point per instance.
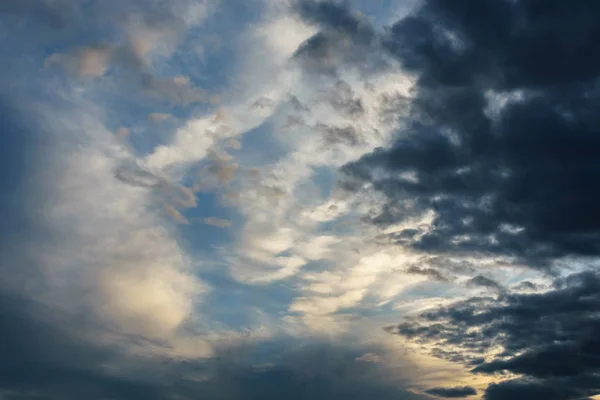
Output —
(265, 198)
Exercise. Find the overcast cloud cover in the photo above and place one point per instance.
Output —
(304, 199)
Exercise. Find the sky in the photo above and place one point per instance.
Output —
(300, 199)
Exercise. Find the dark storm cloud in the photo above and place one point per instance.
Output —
(501, 132)
(452, 392)
(551, 338)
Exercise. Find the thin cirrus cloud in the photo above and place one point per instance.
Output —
(303, 199)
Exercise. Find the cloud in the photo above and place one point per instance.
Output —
(101, 246)
(485, 282)
(105, 244)
(126, 42)
(429, 272)
(532, 389)
(44, 359)
(345, 38)
(457, 152)
(370, 358)
(159, 117)
(315, 371)
(84, 62)
(549, 337)
(452, 392)
(218, 222)
(234, 144)
(175, 214)
(496, 148)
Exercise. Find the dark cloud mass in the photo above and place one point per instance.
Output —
(551, 337)
(453, 392)
(502, 129)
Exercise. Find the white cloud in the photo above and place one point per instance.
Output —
(107, 249)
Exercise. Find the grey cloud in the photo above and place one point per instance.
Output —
(429, 272)
(527, 389)
(135, 175)
(217, 222)
(527, 285)
(344, 101)
(220, 168)
(159, 117)
(292, 121)
(453, 392)
(43, 355)
(263, 102)
(346, 135)
(550, 338)
(517, 182)
(297, 105)
(441, 269)
(318, 371)
(345, 37)
(485, 282)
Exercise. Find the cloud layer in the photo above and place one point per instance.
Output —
(232, 199)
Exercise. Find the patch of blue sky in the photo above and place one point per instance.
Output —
(235, 303)
(209, 54)
(18, 143)
(259, 146)
(362, 311)
(429, 289)
(324, 179)
(201, 237)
